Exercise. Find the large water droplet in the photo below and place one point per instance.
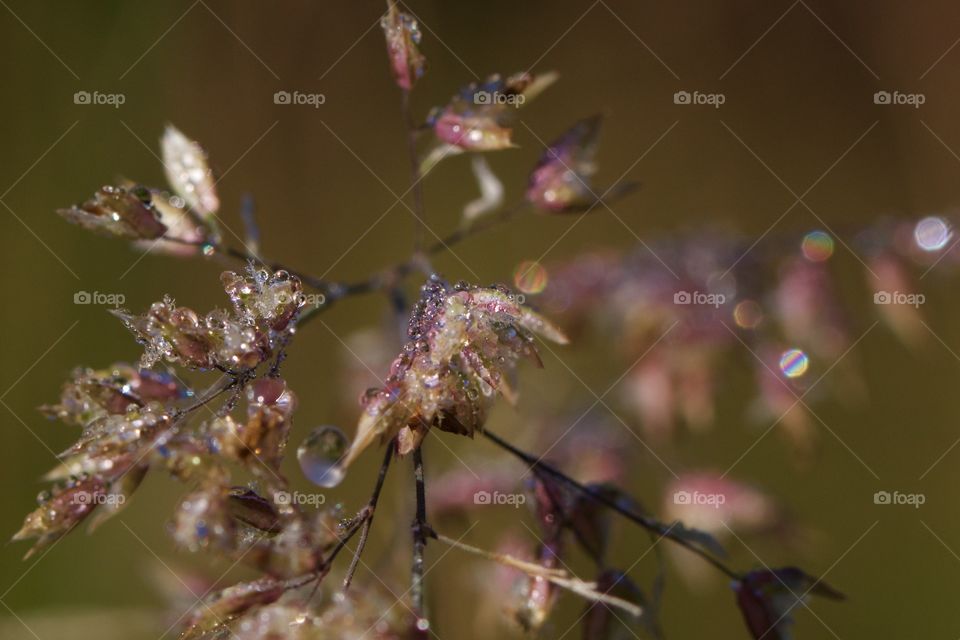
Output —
(320, 453)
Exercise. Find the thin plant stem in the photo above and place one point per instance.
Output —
(484, 223)
(367, 515)
(215, 391)
(416, 180)
(644, 521)
(558, 577)
(386, 279)
(324, 567)
(242, 255)
(420, 532)
(361, 523)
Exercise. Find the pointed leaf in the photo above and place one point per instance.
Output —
(119, 212)
(188, 172)
(403, 37)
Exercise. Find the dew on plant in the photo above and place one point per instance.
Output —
(320, 456)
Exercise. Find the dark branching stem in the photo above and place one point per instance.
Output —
(416, 181)
(366, 515)
(246, 256)
(385, 280)
(388, 279)
(646, 522)
(421, 531)
(209, 396)
(361, 522)
(326, 564)
(401, 270)
(479, 226)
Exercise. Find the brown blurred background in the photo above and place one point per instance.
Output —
(798, 80)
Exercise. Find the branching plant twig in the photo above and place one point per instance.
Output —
(646, 522)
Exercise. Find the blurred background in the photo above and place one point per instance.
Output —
(798, 119)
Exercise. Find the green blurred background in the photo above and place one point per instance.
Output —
(799, 81)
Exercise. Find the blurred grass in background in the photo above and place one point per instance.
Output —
(798, 97)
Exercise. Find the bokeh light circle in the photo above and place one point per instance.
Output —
(817, 246)
(530, 277)
(747, 314)
(932, 233)
(794, 363)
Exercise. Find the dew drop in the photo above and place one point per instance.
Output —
(319, 456)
